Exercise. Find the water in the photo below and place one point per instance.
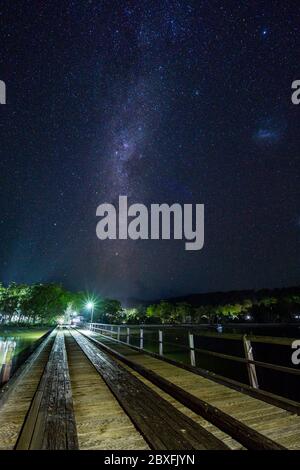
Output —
(175, 346)
(16, 344)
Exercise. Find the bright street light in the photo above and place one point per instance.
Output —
(90, 306)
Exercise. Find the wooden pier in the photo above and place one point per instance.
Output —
(82, 391)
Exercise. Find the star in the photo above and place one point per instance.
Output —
(174, 101)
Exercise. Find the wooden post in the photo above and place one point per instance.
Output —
(118, 336)
(250, 367)
(128, 336)
(160, 343)
(192, 349)
(141, 338)
(2, 373)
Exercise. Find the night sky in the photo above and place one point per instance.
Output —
(162, 101)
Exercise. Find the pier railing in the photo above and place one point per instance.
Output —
(134, 336)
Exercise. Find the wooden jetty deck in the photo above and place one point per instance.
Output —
(76, 392)
(279, 423)
(16, 397)
(100, 420)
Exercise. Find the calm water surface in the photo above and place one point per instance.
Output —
(15, 346)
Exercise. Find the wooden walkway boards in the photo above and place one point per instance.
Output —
(50, 423)
(18, 395)
(272, 422)
(100, 420)
(163, 426)
(75, 392)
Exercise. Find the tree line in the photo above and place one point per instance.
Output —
(265, 309)
(47, 303)
(36, 303)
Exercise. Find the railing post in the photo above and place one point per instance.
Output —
(250, 367)
(141, 338)
(160, 343)
(128, 336)
(192, 349)
(118, 336)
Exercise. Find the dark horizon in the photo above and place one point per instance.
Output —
(186, 102)
(211, 293)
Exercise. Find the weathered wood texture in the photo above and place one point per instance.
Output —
(239, 431)
(161, 424)
(268, 397)
(18, 395)
(100, 420)
(277, 424)
(50, 422)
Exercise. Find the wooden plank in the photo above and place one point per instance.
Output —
(247, 436)
(50, 423)
(18, 401)
(162, 425)
(101, 422)
(228, 440)
(268, 397)
(241, 410)
(278, 340)
(250, 366)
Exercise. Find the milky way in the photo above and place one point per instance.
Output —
(170, 101)
(130, 129)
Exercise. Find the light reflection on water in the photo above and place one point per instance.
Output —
(15, 346)
(7, 353)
